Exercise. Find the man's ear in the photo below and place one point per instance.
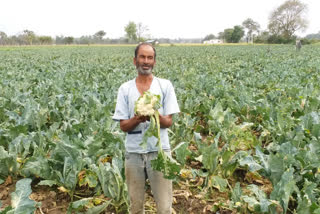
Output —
(134, 61)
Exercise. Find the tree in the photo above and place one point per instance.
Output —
(209, 37)
(288, 18)
(45, 40)
(29, 36)
(251, 27)
(100, 34)
(221, 35)
(141, 30)
(85, 40)
(3, 38)
(262, 37)
(237, 34)
(227, 35)
(131, 31)
(234, 34)
(68, 40)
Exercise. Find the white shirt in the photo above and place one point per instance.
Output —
(128, 94)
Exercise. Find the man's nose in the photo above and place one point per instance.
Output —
(146, 60)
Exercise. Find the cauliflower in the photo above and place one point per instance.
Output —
(147, 104)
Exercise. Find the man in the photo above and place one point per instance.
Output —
(298, 45)
(137, 163)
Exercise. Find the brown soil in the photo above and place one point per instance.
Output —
(55, 202)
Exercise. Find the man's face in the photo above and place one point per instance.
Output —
(145, 60)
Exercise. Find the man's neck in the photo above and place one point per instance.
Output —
(144, 78)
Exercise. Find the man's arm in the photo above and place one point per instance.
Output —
(165, 121)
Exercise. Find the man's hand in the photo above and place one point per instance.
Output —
(130, 124)
(142, 118)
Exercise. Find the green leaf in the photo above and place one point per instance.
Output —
(165, 164)
(253, 166)
(20, 198)
(152, 131)
(304, 206)
(253, 203)
(111, 181)
(70, 173)
(257, 192)
(98, 209)
(182, 151)
(89, 178)
(8, 163)
(49, 183)
(217, 113)
(236, 193)
(219, 183)
(309, 188)
(6, 210)
(37, 166)
(88, 202)
(64, 149)
(81, 203)
(210, 157)
(1, 182)
(263, 159)
(284, 189)
(277, 168)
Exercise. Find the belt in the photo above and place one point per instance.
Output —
(135, 132)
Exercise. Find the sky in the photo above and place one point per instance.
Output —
(164, 19)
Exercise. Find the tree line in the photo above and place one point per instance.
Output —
(284, 22)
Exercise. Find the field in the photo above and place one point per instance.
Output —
(247, 139)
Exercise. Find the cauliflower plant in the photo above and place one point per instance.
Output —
(148, 105)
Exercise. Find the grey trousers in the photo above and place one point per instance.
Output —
(137, 170)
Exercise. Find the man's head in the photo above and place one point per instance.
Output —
(144, 58)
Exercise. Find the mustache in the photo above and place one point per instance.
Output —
(144, 65)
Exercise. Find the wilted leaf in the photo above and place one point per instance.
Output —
(219, 183)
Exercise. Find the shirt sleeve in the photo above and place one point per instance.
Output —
(170, 103)
(122, 109)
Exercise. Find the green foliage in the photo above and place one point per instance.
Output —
(20, 201)
(244, 109)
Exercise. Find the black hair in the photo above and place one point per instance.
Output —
(142, 44)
